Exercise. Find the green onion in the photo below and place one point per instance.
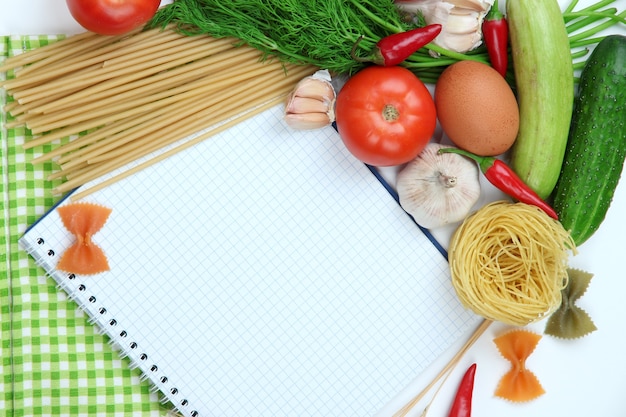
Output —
(598, 28)
(587, 20)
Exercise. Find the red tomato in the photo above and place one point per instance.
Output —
(385, 115)
(112, 17)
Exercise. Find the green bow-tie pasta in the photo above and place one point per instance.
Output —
(570, 321)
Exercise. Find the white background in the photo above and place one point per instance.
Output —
(584, 377)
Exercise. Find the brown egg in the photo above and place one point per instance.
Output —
(476, 108)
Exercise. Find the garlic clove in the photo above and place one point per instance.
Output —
(302, 105)
(476, 5)
(311, 104)
(461, 43)
(463, 23)
(463, 31)
(436, 190)
(461, 20)
(434, 11)
(307, 121)
(315, 88)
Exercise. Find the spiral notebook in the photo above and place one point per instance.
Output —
(264, 272)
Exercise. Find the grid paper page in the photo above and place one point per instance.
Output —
(265, 272)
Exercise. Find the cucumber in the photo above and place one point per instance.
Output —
(544, 78)
(596, 147)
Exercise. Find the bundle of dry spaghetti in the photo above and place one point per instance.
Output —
(509, 262)
(110, 100)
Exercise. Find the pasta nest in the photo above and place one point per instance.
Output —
(508, 262)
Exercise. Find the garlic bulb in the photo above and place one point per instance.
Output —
(461, 20)
(311, 104)
(436, 189)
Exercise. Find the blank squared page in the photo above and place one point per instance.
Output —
(266, 272)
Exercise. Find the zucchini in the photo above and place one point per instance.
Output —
(596, 148)
(544, 78)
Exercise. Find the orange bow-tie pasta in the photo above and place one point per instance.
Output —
(519, 384)
(83, 220)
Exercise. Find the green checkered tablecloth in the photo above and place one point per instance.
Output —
(54, 363)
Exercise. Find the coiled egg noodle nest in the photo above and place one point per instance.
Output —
(509, 261)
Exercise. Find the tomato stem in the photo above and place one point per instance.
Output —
(390, 113)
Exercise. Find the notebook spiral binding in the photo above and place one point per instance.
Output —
(109, 326)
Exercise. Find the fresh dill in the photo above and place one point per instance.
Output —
(323, 32)
(317, 32)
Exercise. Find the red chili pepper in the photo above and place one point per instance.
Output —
(496, 36)
(506, 180)
(462, 405)
(394, 49)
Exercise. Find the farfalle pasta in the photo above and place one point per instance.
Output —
(570, 321)
(518, 384)
(83, 220)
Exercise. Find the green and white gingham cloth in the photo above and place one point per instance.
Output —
(54, 363)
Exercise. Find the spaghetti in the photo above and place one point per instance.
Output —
(508, 262)
(107, 102)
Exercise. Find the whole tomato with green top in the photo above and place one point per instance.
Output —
(112, 17)
(385, 115)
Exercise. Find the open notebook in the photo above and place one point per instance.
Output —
(264, 272)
